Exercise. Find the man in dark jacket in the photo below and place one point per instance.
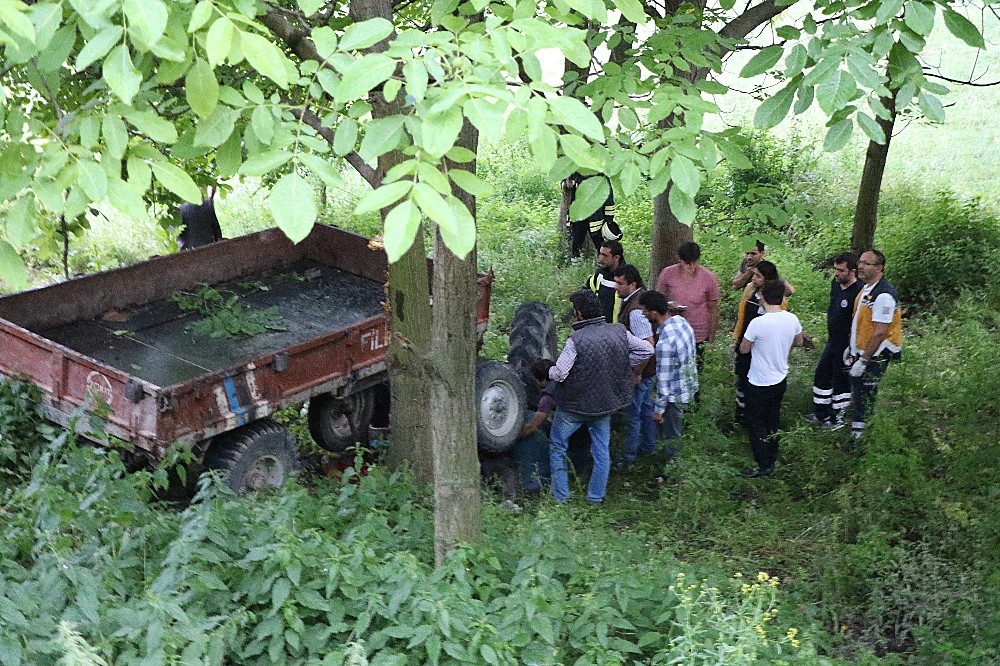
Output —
(831, 384)
(610, 258)
(594, 378)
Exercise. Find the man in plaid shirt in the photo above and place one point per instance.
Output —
(676, 369)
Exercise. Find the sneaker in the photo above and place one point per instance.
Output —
(834, 424)
(757, 473)
(812, 419)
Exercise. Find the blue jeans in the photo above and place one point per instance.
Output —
(641, 437)
(671, 428)
(564, 424)
(532, 456)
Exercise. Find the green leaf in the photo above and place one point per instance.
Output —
(219, 41)
(346, 137)
(174, 179)
(633, 10)
(200, 16)
(762, 61)
(151, 125)
(201, 88)
(121, 75)
(578, 150)
(887, 10)
(383, 197)
(264, 163)
(795, 61)
(871, 128)
(322, 167)
(380, 137)
(434, 206)
(591, 194)
(788, 32)
(127, 199)
(229, 156)
(12, 270)
(685, 175)
(682, 205)
(21, 221)
(16, 22)
(415, 73)
(147, 19)
(310, 7)
(439, 131)
(838, 135)
(263, 124)
(803, 99)
(462, 238)
(115, 136)
(963, 28)
(264, 56)
(835, 90)
(919, 17)
(931, 107)
(360, 77)
(401, 226)
(486, 116)
(214, 130)
(292, 202)
(470, 182)
(364, 34)
(98, 46)
(571, 112)
(92, 180)
(774, 109)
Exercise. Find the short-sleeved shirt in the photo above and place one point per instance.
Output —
(772, 335)
(695, 292)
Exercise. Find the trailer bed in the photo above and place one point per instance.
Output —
(155, 341)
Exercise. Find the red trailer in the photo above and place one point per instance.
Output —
(122, 337)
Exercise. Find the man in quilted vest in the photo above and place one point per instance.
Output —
(595, 375)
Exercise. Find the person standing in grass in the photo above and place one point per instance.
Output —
(831, 383)
(697, 289)
(876, 337)
(750, 307)
(641, 436)
(676, 364)
(594, 378)
(770, 337)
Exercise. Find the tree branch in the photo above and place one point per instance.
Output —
(355, 160)
(751, 19)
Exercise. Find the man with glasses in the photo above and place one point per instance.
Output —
(876, 337)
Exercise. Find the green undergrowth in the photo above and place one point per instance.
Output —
(94, 571)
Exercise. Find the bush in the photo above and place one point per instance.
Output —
(938, 246)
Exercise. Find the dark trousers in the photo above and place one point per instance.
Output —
(578, 233)
(831, 383)
(742, 367)
(763, 420)
(864, 391)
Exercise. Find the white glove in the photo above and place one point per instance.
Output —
(848, 356)
(858, 368)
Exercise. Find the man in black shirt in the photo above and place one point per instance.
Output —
(831, 384)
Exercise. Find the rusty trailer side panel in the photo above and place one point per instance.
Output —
(118, 335)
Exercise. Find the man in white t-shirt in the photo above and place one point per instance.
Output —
(770, 337)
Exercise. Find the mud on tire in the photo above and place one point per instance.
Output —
(255, 456)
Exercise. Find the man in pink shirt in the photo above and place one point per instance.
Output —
(694, 286)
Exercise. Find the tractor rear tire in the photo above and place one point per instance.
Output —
(500, 406)
(337, 424)
(532, 337)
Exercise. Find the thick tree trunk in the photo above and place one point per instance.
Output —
(668, 235)
(870, 189)
(453, 389)
(408, 296)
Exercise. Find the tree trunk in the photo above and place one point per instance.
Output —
(408, 297)
(668, 235)
(870, 189)
(453, 388)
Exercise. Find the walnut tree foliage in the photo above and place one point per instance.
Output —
(110, 101)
